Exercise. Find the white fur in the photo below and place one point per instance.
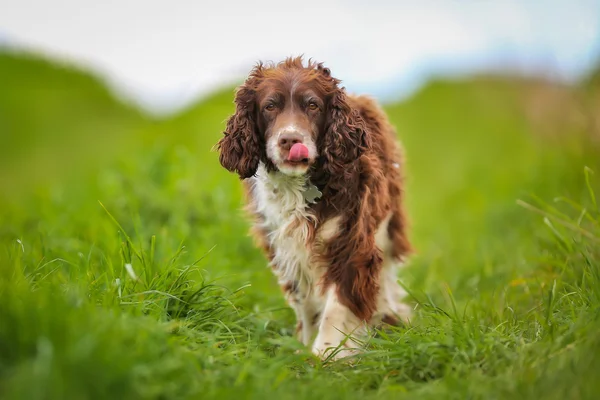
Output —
(329, 229)
(286, 217)
(390, 293)
(382, 239)
(338, 325)
(273, 151)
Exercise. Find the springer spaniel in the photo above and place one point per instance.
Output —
(323, 176)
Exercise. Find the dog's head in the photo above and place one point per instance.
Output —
(291, 117)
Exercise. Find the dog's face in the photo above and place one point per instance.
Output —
(291, 117)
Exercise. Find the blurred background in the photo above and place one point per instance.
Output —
(121, 102)
(113, 206)
(165, 56)
(148, 59)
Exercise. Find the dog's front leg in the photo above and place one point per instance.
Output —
(337, 327)
(303, 305)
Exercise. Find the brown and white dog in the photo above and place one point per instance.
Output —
(323, 177)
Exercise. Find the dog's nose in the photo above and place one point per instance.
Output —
(288, 139)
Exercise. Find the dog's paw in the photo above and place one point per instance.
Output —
(404, 312)
(335, 351)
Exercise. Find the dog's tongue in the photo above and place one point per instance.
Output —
(298, 152)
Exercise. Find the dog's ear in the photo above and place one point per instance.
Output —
(240, 147)
(345, 137)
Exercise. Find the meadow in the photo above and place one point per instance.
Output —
(126, 270)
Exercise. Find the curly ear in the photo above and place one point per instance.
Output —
(346, 136)
(240, 147)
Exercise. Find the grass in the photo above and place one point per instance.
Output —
(126, 271)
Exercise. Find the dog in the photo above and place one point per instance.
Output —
(323, 176)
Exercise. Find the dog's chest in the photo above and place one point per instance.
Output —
(290, 226)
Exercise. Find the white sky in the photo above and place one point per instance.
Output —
(164, 54)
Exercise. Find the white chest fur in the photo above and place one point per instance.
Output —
(287, 219)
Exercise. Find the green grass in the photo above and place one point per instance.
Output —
(506, 282)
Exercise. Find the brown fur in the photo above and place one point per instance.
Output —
(359, 171)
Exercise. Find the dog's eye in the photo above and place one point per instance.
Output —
(312, 106)
(270, 107)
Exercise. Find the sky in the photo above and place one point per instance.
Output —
(163, 55)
